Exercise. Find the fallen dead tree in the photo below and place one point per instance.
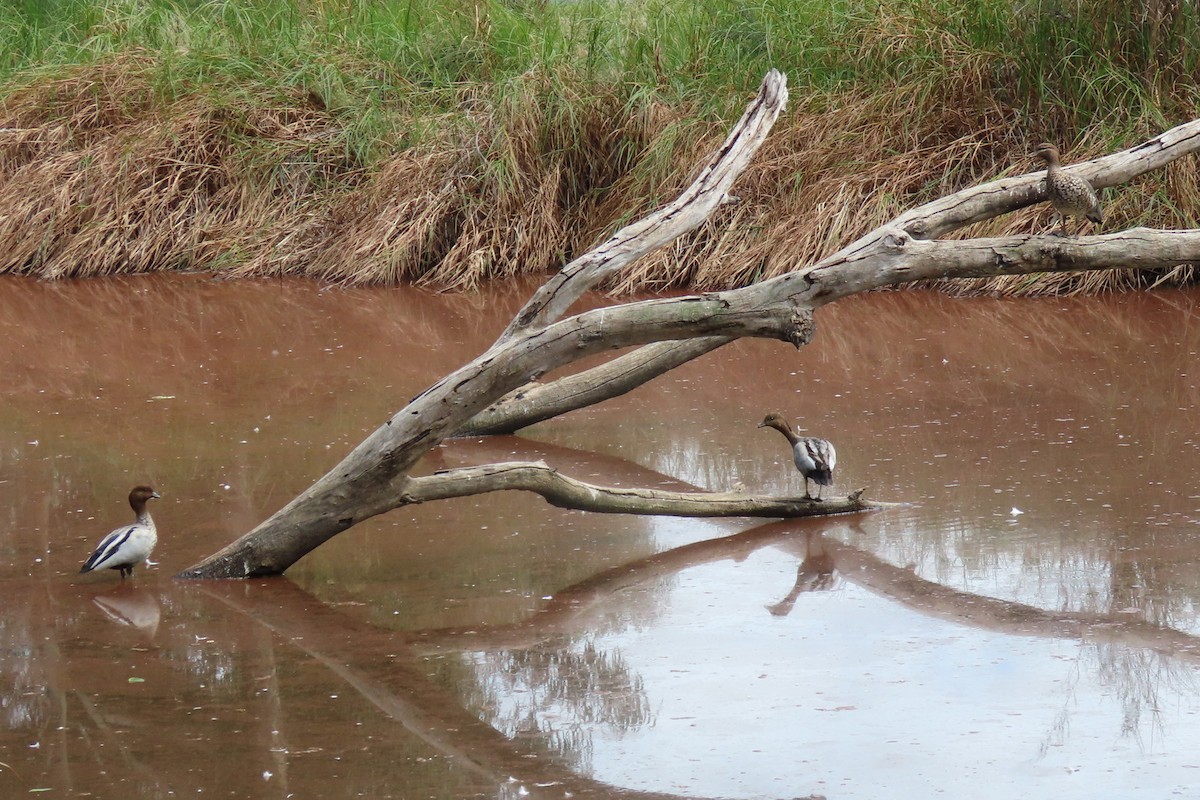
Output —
(500, 391)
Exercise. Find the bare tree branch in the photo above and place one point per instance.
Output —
(898, 258)
(933, 219)
(684, 214)
(566, 492)
(1004, 195)
(534, 403)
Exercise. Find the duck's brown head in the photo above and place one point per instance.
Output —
(775, 420)
(1046, 152)
(140, 494)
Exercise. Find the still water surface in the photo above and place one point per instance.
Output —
(1026, 625)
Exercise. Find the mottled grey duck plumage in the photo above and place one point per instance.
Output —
(1071, 195)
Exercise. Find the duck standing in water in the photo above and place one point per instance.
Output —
(129, 544)
(815, 458)
(1071, 195)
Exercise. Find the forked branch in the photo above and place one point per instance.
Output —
(374, 478)
(872, 262)
(371, 479)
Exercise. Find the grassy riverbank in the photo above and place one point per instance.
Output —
(450, 143)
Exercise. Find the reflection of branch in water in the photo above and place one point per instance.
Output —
(900, 584)
(562, 613)
(1004, 616)
(118, 751)
(1132, 673)
(815, 574)
(388, 675)
(1135, 681)
(1137, 677)
(1133, 656)
(584, 685)
(383, 666)
(1060, 726)
(1156, 577)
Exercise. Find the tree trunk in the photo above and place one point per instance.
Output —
(498, 391)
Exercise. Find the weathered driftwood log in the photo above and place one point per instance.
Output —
(374, 478)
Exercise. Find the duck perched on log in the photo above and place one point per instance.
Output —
(815, 458)
(129, 544)
(1071, 195)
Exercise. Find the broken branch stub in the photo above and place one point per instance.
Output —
(686, 213)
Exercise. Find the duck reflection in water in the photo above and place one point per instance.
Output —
(815, 458)
(126, 605)
(815, 574)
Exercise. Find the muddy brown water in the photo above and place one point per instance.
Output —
(1025, 626)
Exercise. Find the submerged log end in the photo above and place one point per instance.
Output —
(237, 565)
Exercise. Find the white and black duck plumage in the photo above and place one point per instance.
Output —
(815, 458)
(129, 544)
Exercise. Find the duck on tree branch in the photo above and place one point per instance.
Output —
(1071, 195)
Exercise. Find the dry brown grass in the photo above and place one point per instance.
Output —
(514, 192)
(97, 177)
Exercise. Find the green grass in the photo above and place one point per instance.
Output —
(373, 60)
(692, 46)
